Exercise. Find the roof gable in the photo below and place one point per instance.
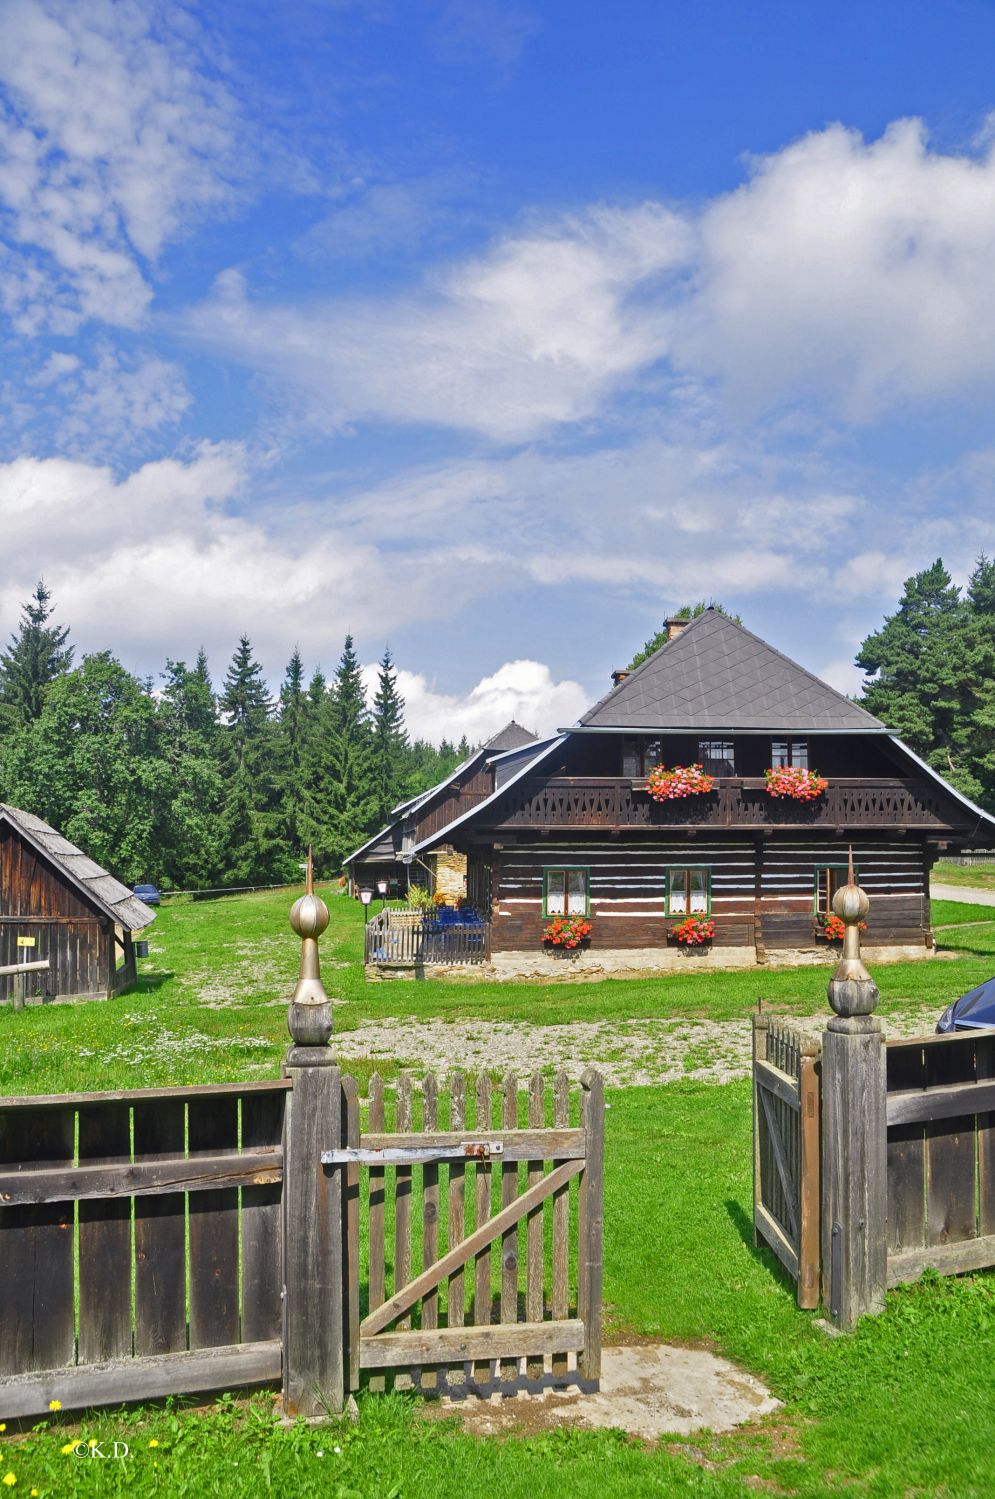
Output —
(94, 883)
(718, 675)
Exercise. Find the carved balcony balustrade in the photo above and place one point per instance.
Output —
(735, 802)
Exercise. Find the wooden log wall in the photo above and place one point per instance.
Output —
(941, 1154)
(627, 889)
(178, 1157)
(468, 1254)
(37, 900)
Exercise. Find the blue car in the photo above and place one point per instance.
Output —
(147, 893)
(974, 1011)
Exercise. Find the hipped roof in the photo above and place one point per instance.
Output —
(717, 675)
(101, 888)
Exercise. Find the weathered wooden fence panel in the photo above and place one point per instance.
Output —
(941, 1154)
(786, 1160)
(410, 939)
(440, 1324)
(72, 1171)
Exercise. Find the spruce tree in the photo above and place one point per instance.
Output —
(36, 655)
(190, 838)
(254, 846)
(390, 743)
(348, 810)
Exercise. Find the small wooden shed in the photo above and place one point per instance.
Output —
(57, 904)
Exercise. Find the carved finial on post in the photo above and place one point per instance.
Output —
(309, 1018)
(852, 991)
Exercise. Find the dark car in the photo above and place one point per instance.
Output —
(974, 1011)
(147, 893)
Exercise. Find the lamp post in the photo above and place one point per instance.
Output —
(382, 892)
(366, 895)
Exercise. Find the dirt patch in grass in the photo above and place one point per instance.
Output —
(629, 1053)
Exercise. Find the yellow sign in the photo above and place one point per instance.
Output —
(26, 941)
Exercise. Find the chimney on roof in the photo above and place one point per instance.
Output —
(674, 627)
(618, 676)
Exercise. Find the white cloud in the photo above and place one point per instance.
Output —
(163, 560)
(854, 275)
(537, 332)
(856, 271)
(523, 690)
(113, 139)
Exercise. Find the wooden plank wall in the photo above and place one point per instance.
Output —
(941, 1154)
(36, 900)
(627, 889)
(96, 1157)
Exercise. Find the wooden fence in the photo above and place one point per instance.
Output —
(927, 1113)
(447, 1307)
(786, 1166)
(411, 939)
(941, 1154)
(179, 1240)
(156, 1195)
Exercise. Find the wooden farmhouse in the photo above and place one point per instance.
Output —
(58, 905)
(389, 855)
(570, 826)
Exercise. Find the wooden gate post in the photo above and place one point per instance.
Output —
(590, 1223)
(855, 1158)
(314, 1374)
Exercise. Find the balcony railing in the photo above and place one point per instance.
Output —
(735, 802)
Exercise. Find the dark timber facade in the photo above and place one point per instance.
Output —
(575, 827)
(58, 905)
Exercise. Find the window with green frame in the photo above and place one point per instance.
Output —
(689, 890)
(566, 892)
(828, 879)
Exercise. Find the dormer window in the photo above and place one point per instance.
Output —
(717, 757)
(789, 752)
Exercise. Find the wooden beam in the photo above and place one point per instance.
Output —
(255, 1168)
(460, 1345)
(776, 1239)
(779, 1083)
(956, 1101)
(518, 1144)
(948, 1259)
(127, 1095)
(133, 1379)
(415, 1289)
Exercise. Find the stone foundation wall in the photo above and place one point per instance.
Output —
(630, 962)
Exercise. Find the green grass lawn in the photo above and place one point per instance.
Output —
(905, 1407)
(980, 876)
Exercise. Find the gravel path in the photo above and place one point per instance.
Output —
(629, 1053)
(966, 893)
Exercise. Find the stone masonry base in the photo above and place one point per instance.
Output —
(630, 962)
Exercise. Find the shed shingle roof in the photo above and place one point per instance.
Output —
(113, 898)
(717, 675)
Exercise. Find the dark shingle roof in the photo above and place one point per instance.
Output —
(113, 898)
(512, 736)
(717, 675)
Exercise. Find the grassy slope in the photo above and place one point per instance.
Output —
(905, 1407)
(980, 876)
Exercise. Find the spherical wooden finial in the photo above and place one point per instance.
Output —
(852, 991)
(309, 1018)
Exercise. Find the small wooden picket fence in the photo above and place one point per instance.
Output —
(786, 1166)
(448, 1308)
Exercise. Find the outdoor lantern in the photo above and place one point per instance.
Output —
(366, 895)
(382, 892)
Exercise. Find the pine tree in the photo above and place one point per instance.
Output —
(254, 846)
(36, 655)
(390, 743)
(347, 791)
(190, 838)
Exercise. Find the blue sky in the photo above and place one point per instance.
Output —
(494, 331)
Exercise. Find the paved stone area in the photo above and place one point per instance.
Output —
(649, 1391)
